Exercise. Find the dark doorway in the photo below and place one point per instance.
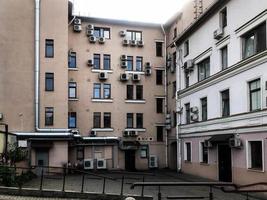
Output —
(173, 156)
(225, 163)
(130, 160)
(42, 160)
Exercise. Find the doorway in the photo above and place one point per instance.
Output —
(130, 160)
(225, 163)
(42, 157)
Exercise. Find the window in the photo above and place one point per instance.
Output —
(96, 61)
(129, 93)
(159, 49)
(187, 113)
(106, 61)
(174, 119)
(225, 103)
(72, 120)
(203, 153)
(204, 69)
(254, 41)
(186, 74)
(72, 90)
(187, 152)
(129, 120)
(159, 77)
(255, 95)
(159, 105)
(49, 81)
(160, 133)
(139, 63)
(97, 91)
(107, 91)
(174, 32)
(80, 153)
(223, 18)
(174, 60)
(173, 89)
(49, 116)
(107, 120)
(143, 151)
(139, 120)
(255, 157)
(204, 109)
(97, 120)
(72, 60)
(134, 35)
(186, 48)
(224, 57)
(139, 92)
(49, 48)
(102, 32)
(130, 63)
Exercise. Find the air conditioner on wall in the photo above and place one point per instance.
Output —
(148, 71)
(153, 161)
(103, 76)
(90, 32)
(189, 65)
(90, 26)
(194, 109)
(218, 34)
(194, 117)
(90, 62)
(123, 33)
(140, 43)
(179, 110)
(126, 133)
(124, 77)
(123, 57)
(101, 163)
(92, 133)
(101, 40)
(92, 39)
(123, 64)
(133, 42)
(136, 77)
(235, 142)
(88, 163)
(77, 21)
(77, 28)
(125, 42)
(133, 133)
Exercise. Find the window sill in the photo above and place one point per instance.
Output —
(134, 72)
(103, 129)
(204, 164)
(135, 129)
(187, 162)
(73, 69)
(135, 101)
(256, 170)
(102, 70)
(73, 99)
(102, 100)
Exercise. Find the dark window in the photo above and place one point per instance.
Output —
(97, 120)
(186, 74)
(139, 63)
(96, 61)
(49, 116)
(97, 91)
(188, 151)
(49, 48)
(256, 159)
(102, 32)
(225, 103)
(129, 120)
(204, 109)
(107, 120)
(223, 17)
(204, 153)
(130, 63)
(186, 48)
(107, 91)
(129, 92)
(72, 60)
(224, 57)
(254, 41)
(174, 119)
(106, 61)
(159, 49)
(80, 153)
(139, 92)
(187, 113)
(139, 120)
(175, 32)
(159, 105)
(49, 81)
(72, 90)
(173, 89)
(160, 133)
(255, 95)
(159, 77)
(174, 60)
(204, 69)
(72, 120)
(134, 35)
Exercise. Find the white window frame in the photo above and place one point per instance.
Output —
(248, 154)
(261, 92)
(200, 153)
(185, 151)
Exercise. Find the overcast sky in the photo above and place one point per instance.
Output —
(156, 11)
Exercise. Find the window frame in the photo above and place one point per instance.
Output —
(106, 58)
(186, 48)
(204, 107)
(187, 113)
(130, 89)
(254, 91)
(107, 119)
(159, 77)
(72, 55)
(201, 153)
(138, 60)
(160, 134)
(249, 158)
(75, 90)
(186, 159)
(106, 88)
(102, 31)
(97, 57)
(98, 89)
(224, 65)
(159, 108)
(49, 76)
(130, 63)
(139, 89)
(130, 116)
(159, 49)
(223, 18)
(222, 103)
(97, 116)
(140, 120)
(75, 119)
(49, 43)
(205, 63)
(49, 110)
(133, 35)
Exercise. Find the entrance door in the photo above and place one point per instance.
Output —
(41, 160)
(130, 160)
(225, 163)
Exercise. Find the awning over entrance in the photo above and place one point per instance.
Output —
(41, 144)
(129, 145)
(220, 138)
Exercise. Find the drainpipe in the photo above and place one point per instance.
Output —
(37, 72)
(166, 96)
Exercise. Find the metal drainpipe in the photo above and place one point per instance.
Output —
(37, 71)
(166, 96)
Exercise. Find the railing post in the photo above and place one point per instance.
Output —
(247, 196)
(42, 177)
(122, 182)
(64, 177)
(159, 194)
(211, 193)
(104, 185)
(142, 191)
(82, 183)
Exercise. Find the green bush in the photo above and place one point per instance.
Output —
(8, 176)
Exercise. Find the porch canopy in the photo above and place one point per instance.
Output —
(220, 138)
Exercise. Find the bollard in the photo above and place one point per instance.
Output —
(159, 194)
(142, 191)
(122, 182)
(64, 178)
(211, 194)
(104, 185)
(82, 183)
(42, 177)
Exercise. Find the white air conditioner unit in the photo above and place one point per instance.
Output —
(92, 39)
(90, 32)
(189, 65)
(124, 77)
(136, 77)
(75, 131)
(123, 33)
(124, 57)
(133, 133)
(88, 163)
(101, 163)
(148, 71)
(92, 133)
(103, 76)
(1, 116)
(133, 42)
(126, 133)
(179, 110)
(207, 144)
(123, 64)
(194, 117)
(90, 62)
(90, 26)
(125, 42)
(101, 40)
(235, 142)
(194, 109)
(153, 161)
(147, 64)
(218, 34)
(140, 43)
(77, 21)
(77, 28)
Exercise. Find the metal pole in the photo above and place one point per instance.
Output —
(104, 185)
(159, 194)
(6, 141)
(122, 182)
(82, 183)
(64, 178)
(42, 176)
(211, 194)
(142, 191)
